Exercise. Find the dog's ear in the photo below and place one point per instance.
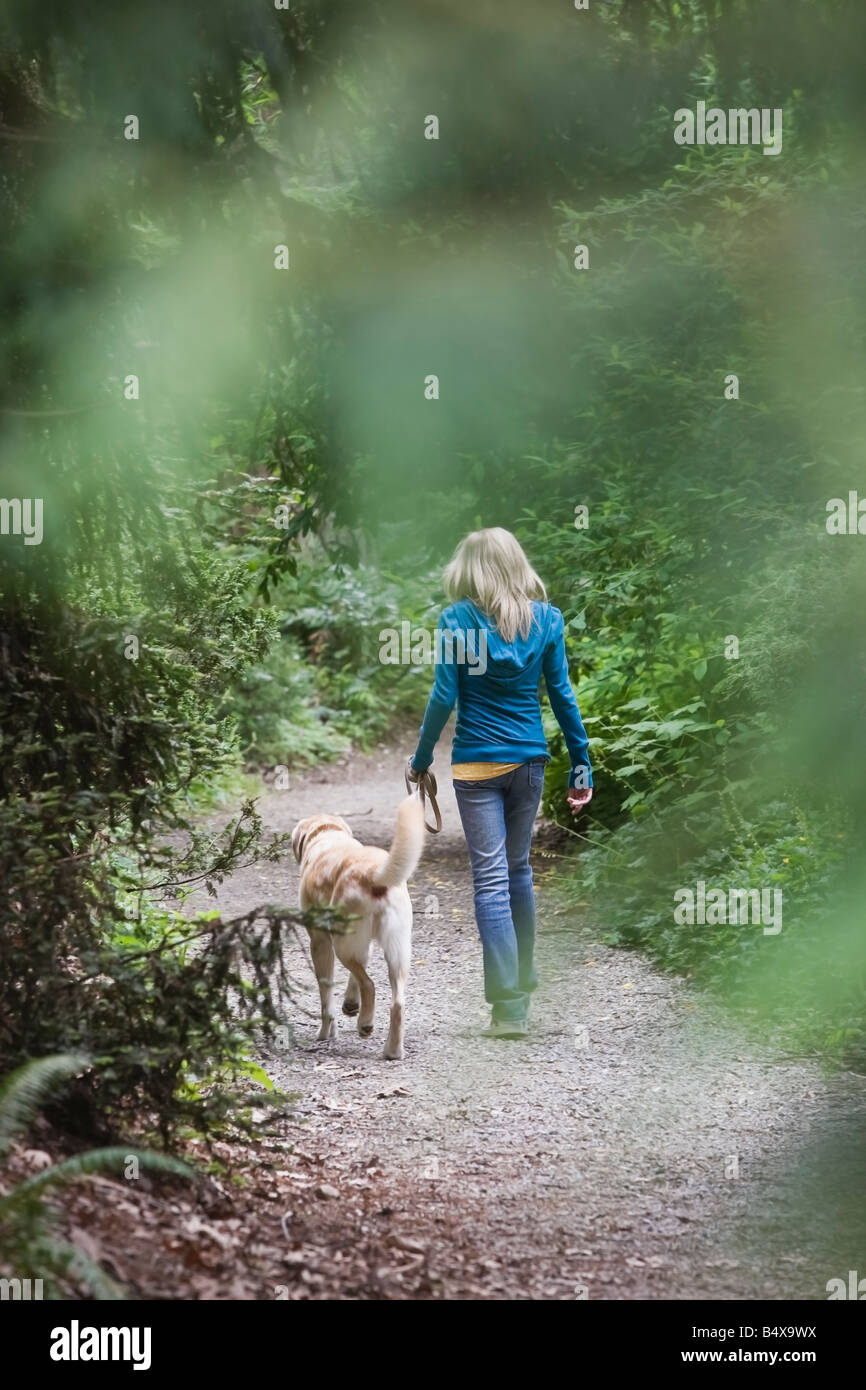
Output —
(299, 835)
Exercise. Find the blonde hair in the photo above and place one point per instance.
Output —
(490, 568)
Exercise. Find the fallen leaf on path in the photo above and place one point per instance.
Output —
(413, 1247)
(194, 1226)
(86, 1242)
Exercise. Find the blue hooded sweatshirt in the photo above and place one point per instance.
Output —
(498, 710)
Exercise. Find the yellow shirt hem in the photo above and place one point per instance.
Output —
(478, 772)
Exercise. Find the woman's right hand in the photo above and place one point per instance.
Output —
(578, 797)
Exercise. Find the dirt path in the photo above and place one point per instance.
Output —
(633, 1147)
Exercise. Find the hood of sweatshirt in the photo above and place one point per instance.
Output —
(506, 661)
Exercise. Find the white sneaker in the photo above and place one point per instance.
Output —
(506, 1028)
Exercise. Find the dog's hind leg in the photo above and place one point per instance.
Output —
(396, 948)
(367, 991)
(322, 951)
(352, 997)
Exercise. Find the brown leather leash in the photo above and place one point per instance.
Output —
(424, 783)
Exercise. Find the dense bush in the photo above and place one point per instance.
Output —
(103, 752)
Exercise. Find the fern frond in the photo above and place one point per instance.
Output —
(60, 1259)
(94, 1161)
(23, 1091)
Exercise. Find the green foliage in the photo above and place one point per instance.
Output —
(322, 686)
(739, 772)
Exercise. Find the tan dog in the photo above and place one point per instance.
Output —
(338, 871)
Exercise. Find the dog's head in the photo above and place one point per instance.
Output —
(308, 829)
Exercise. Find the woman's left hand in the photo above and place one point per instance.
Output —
(578, 797)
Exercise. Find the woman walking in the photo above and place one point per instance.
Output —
(495, 642)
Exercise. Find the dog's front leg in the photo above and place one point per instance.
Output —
(322, 951)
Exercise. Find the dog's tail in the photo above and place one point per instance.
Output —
(407, 845)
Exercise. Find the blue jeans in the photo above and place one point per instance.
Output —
(497, 816)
